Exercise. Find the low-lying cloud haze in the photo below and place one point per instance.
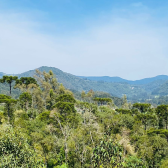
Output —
(127, 42)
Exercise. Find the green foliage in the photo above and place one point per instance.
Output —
(133, 162)
(26, 81)
(44, 116)
(117, 101)
(152, 149)
(2, 96)
(9, 107)
(127, 121)
(162, 112)
(145, 118)
(8, 79)
(48, 127)
(124, 111)
(66, 98)
(66, 110)
(142, 107)
(25, 100)
(107, 154)
(62, 166)
(102, 101)
(162, 132)
(164, 163)
(15, 151)
(50, 100)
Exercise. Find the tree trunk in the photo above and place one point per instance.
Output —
(10, 88)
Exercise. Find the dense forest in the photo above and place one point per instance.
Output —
(43, 124)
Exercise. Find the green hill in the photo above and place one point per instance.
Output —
(140, 90)
(162, 90)
(73, 82)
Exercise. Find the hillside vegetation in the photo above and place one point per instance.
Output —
(47, 127)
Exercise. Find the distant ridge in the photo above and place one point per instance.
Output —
(120, 80)
(115, 79)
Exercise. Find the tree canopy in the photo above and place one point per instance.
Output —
(46, 126)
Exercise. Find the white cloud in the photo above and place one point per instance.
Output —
(125, 47)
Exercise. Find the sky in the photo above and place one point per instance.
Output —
(125, 38)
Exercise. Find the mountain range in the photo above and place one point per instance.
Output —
(121, 80)
(135, 90)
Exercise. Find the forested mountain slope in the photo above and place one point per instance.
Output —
(162, 90)
(138, 90)
(76, 83)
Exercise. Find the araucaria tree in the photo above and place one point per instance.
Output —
(26, 81)
(9, 110)
(9, 80)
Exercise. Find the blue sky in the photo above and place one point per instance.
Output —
(126, 38)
